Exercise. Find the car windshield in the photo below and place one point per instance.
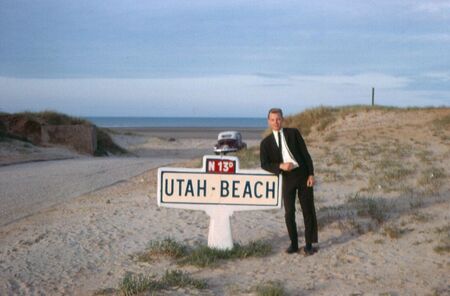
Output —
(229, 142)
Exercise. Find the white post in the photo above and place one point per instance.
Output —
(219, 236)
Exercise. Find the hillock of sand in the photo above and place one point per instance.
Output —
(50, 135)
(383, 207)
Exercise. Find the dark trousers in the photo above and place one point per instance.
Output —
(295, 182)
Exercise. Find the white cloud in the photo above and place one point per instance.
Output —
(433, 6)
(226, 96)
(441, 76)
(359, 80)
(432, 37)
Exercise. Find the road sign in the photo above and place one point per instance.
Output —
(219, 188)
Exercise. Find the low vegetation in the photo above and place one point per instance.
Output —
(178, 278)
(443, 245)
(394, 231)
(202, 255)
(320, 118)
(442, 123)
(271, 288)
(167, 247)
(141, 284)
(248, 158)
(105, 144)
(52, 118)
(389, 175)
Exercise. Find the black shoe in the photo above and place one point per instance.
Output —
(292, 249)
(309, 251)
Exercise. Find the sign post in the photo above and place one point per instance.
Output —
(219, 188)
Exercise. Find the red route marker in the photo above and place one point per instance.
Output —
(220, 166)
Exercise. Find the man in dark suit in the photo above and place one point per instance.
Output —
(292, 160)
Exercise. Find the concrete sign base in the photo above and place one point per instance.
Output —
(219, 235)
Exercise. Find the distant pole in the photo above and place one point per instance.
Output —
(373, 96)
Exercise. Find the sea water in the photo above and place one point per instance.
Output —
(245, 122)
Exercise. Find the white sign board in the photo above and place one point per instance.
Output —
(219, 188)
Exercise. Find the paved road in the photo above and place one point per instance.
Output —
(27, 188)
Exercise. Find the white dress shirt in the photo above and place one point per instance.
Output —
(287, 155)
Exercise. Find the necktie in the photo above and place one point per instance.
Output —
(279, 145)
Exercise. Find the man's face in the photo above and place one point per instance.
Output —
(275, 121)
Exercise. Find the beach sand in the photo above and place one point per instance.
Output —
(89, 242)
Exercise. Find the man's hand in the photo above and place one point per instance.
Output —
(310, 182)
(286, 166)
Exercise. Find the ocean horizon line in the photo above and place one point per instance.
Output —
(133, 116)
(135, 121)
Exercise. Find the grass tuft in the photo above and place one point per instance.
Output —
(271, 288)
(178, 278)
(319, 117)
(374, 208)
(361, 213)
(167, 247)
(204, 256)
(395, 232)
(249, 158)
(331, 137)
(432, 179)
(443, 246)
(444, 243)
(389, 176)
(133, 284)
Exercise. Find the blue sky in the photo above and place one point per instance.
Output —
(220, 58)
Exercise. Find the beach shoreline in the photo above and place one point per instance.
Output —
(191, 132)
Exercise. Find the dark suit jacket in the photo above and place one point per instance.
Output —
(271, 158)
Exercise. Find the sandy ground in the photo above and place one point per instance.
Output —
(87, 243)
(27, 188)
(35, 178)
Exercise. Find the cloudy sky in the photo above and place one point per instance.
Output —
(221, 58)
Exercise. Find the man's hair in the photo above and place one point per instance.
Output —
(275, 110)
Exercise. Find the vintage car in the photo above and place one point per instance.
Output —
(229, 141)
